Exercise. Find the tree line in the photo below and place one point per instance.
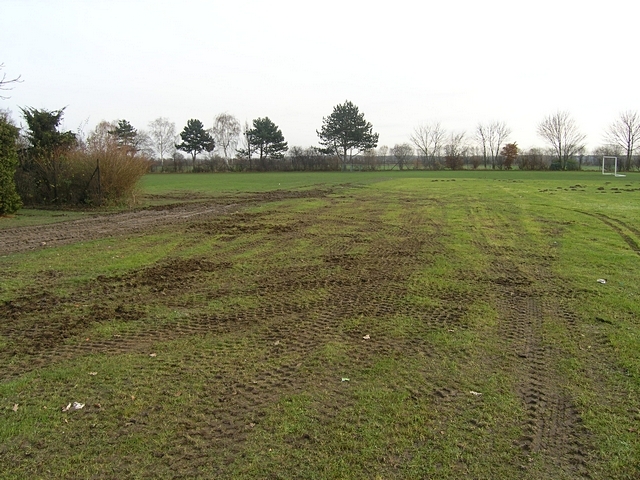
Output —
(347, 141)
(40, 164)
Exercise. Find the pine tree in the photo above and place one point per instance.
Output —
(267, 139)
(346, 133)
(126, 136)
(45, 156)
(195, 139)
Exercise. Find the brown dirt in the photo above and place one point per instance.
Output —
(22, 239)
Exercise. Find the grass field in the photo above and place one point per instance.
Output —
(358, 325)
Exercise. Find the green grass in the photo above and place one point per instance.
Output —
(159, 184)
(218, 349)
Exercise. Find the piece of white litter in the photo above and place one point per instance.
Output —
(601, 280)
(153, 354)
(344, 379)
(93, 374)
(73, 406)
(366, 337)
(474, 393)
(277, 342)
(15, 407)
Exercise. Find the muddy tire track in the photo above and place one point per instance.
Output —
(363, 267)
(552, 427)
(624, 230)
(14, 240)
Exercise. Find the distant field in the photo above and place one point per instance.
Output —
(161, 184)
(327, 325)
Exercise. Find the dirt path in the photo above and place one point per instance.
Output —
(21, 239)
(14, 240)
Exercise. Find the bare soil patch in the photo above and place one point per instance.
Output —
(13, 240)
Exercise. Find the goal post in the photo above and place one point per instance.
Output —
(607, 161)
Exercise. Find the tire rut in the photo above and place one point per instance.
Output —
(21, 239)
(552, 426)
(619, 227)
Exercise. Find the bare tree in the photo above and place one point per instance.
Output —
(100, 139)
(382, 152)
(226, 132)
(245, 145)
(145, 146)
(624, 133)
(403, 152)
(163, 136)
(455, 150)
(6, 83)
(482, 137)
(369, 159)
(428, 139)
(608, 150)
(491, 137)
(562, 134)
(498, 133)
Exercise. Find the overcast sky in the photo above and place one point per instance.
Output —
(402, 63)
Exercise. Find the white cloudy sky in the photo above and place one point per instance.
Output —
(403, 62)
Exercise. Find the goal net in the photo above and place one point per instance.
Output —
(610, 166)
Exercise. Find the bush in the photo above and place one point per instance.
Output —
(555, 166)
(9, 198)
(572, 165)
(118, 172)
(533, 160)
(454, 162)
(83, 176)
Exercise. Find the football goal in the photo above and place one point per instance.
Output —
(610, 166)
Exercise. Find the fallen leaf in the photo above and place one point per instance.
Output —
(277, 342)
